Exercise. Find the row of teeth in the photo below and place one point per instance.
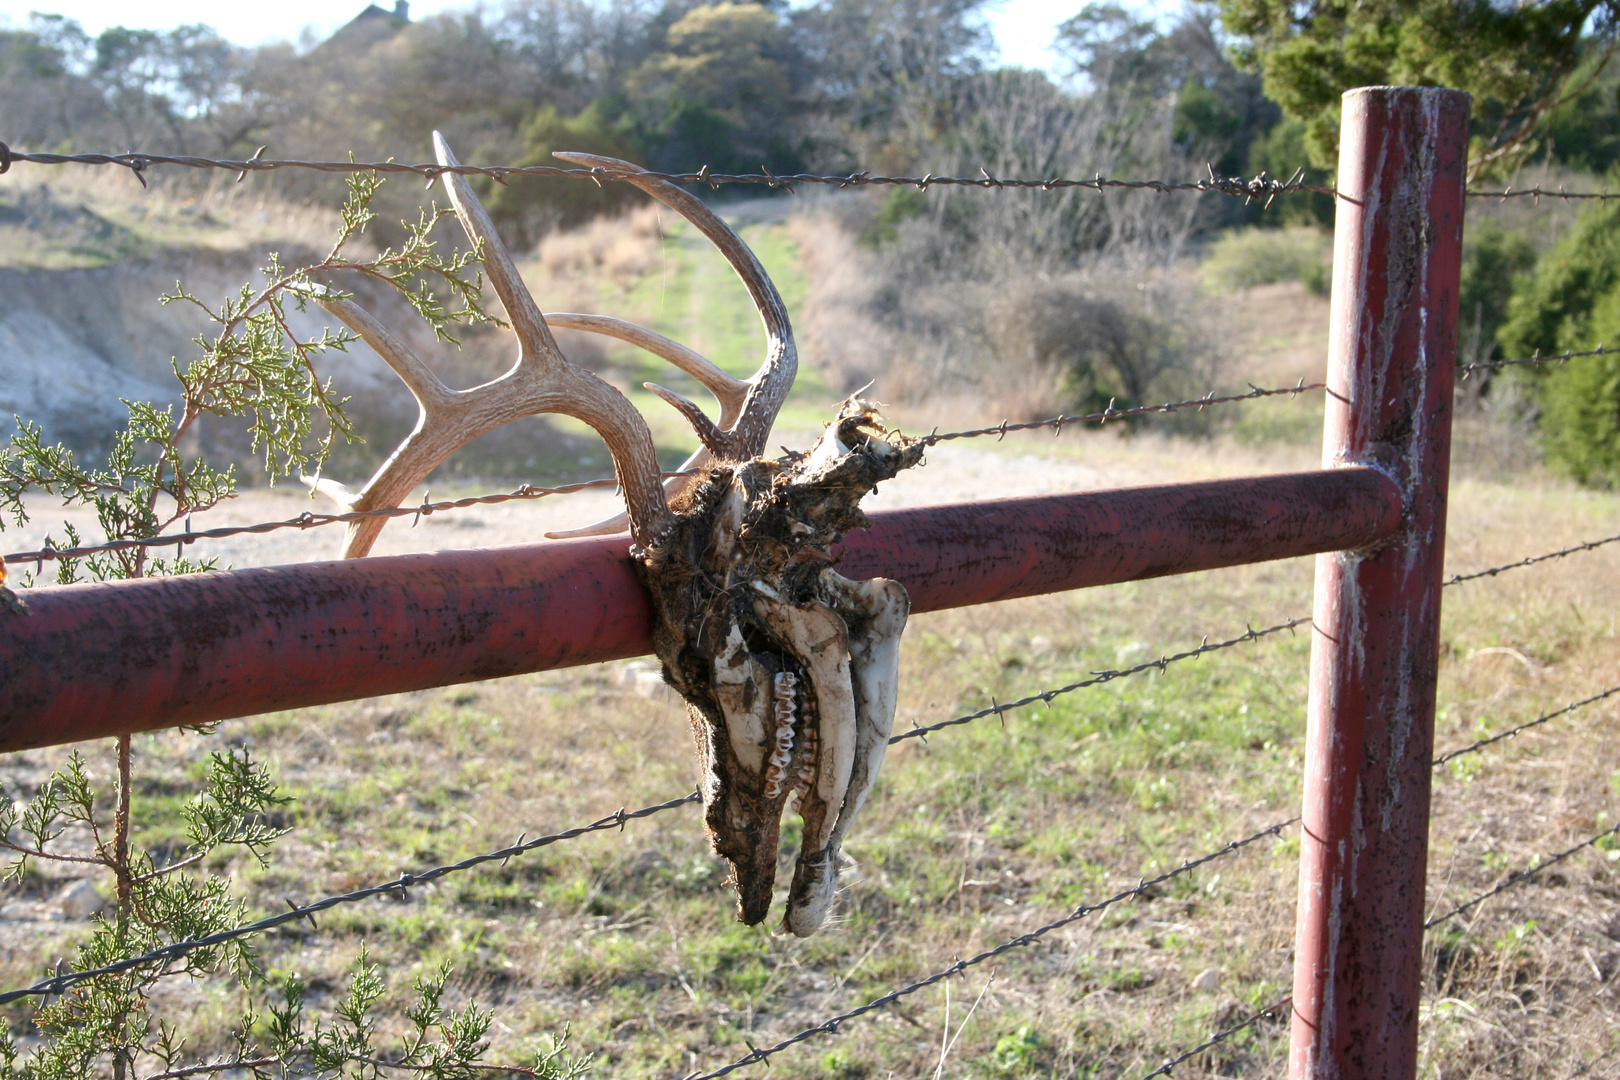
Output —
(808, 769)
(784, 689)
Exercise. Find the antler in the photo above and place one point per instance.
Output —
(543, 380)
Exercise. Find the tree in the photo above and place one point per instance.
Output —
(720, 91)
(1571, 304)
(527, 207)
(883, 74)
(1516, 59)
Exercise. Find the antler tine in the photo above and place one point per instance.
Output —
(727, 389)
(769, 387)
(435, 437)
(559, 386)
(541, 381)
(534, 337)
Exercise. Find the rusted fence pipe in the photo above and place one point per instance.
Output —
(1376, 637)
(95, 660)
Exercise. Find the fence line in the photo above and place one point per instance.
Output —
(1517, 878)
(63, 981)
(1466, 370)
(1538, 193)
(1474, 747)
(1256, 187)
(1059, 422)
(997, 709)
(831, 1024)
(310, 520)
(66, 980)
(1531, 560)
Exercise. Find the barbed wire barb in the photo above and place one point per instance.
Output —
(1532, 560)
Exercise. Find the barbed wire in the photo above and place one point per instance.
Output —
(1518, 877)
(1531, 560)
(1481, 744)
(64, 981)
(1097, 677)
(831, 1024)
(1254, 187)
(311, 520)
(1221, 1036)
(1538, 193)
(1058, 423)
(1466, 370)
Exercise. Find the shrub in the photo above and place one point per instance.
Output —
(1572, 303)
(1244, 258)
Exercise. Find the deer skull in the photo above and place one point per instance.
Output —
(789, 670)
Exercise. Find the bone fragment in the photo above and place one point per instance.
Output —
(739, 687)
(875, 612)
(818, 637)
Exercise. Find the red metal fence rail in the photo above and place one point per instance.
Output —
(100, 659)
(93, 660)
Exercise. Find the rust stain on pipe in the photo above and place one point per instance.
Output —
(96, 660)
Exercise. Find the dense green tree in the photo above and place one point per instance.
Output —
(528, 207)
(1572, 303)
(1516, 59)
(719, 92)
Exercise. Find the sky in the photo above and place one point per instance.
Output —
(1023, 28)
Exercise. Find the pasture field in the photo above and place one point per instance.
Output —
(627, 938)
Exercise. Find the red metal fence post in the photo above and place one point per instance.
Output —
(1375, 649)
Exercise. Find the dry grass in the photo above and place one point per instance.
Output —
(79, 216)
(981, 832)
(973, 837)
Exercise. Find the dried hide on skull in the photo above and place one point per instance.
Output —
(789, 670)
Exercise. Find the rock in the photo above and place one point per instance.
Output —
(80, 900)
(1208, 981)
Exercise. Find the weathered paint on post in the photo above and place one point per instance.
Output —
(1375, 650)
(95, 660)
